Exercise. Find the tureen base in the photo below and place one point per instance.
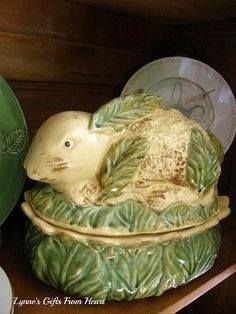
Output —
(93, 268)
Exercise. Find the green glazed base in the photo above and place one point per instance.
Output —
(92, 268)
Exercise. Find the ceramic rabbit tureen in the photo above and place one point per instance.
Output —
(127, 204)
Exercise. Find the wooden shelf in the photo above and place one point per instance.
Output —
(167, 12)
(27, 287)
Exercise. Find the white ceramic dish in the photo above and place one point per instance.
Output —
(192, 87)
(6, 295)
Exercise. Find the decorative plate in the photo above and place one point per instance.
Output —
(192, 87)
(5, 293)
(13, 149)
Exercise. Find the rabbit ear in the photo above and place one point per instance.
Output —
(177, 92)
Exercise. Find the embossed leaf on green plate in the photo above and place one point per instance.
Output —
(121, 111)
(120, 165)
(13, 142)
(13, 149)
(202, 166)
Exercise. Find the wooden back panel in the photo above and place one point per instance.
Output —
(61, 55)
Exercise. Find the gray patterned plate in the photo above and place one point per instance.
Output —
(193, 88)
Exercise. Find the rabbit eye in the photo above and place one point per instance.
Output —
(68, 144)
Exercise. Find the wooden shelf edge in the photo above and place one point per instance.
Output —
(199, 291)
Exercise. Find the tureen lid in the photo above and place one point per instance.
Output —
(55, 228)
(123, 219)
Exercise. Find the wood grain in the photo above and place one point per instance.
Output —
(71, 21)
(221, 299)
(41, 100)
(63, 55)
(208, 30)
(172, 12)
(29, 58)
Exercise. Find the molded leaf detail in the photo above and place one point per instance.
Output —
(191, 257)
(217, 146)
(121, 164)
(13, 142)
(202, 167)
(129, 216)
(73, 264)
(121, 111)
(92, 268)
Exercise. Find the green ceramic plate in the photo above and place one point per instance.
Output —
(13, 149)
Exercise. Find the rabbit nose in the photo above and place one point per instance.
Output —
(30, 170)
